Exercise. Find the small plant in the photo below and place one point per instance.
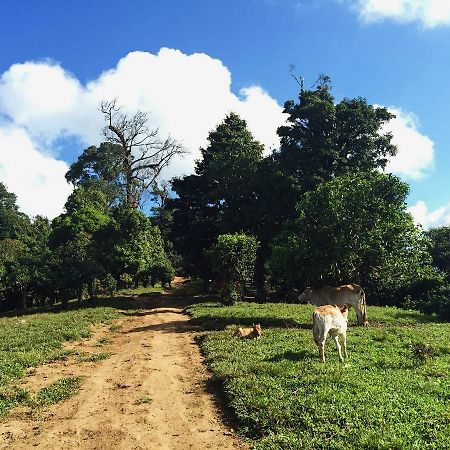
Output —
(421, 352)
(103, 341)
(109, 284)
(126, 279)
(143, 399)
(94, 357)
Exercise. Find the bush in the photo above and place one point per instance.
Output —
(109, 284)
(234, 258)
(126, 280)
(229, 295)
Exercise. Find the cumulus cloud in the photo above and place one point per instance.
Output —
(429, 13)
(186, 95)
(37, 180)
(415, 157)
(430, 219)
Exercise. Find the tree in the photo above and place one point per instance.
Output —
(13, 223)
(135, 247)
(131, 158)
(321, 140)
(234, 257)
(352, 228)
(74, 241)
(439, 247)
(324, 139)
(220, 197)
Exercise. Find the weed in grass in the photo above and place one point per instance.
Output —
(103, 341)
(58, 391)
(422, 352)
(144, 399)
(61, 355)
(11, 396)
(94, 357)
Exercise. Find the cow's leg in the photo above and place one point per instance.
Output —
(344, 344)
(321, 347)
(338, 346)
(360, 315)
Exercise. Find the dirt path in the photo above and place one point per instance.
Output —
(150, 394)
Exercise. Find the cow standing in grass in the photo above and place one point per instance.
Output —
(330, 319)
(348, 294)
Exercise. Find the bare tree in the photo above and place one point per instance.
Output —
(144, 153)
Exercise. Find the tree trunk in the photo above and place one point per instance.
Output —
(80, 294)
(260, 276)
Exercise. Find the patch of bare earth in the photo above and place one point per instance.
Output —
(151, 393)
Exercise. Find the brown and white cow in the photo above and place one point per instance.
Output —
(348, 294)
(330, 319)
(249, 333)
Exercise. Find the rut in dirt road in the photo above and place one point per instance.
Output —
(150, 394)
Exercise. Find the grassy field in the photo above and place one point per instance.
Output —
(394, 392)
(35, 338)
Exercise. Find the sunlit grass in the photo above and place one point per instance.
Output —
(393, 393)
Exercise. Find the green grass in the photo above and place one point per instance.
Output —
(394, 392)
(94, 357)
(37, 338)
(58, 391)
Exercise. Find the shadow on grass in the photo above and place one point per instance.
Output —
(176, 297)
(220, 323)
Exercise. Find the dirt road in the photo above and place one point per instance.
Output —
(150, 394)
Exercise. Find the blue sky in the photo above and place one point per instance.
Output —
(59, 58)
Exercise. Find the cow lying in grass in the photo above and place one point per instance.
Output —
(249, 333)
(330, 319)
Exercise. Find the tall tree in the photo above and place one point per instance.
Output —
(324, 139)
(13, 223)
(321, 140)
(131, 158)
(220, 197)
(439, 246)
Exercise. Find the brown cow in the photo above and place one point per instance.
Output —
(348, 294)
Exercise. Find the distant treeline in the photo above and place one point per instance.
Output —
(318, 210)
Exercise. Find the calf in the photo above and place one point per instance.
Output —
(330, 319)
(249, 333)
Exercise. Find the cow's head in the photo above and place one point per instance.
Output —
(305, 295)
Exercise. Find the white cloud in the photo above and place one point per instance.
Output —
(430, 219)
(37, 180)
(429, 13)
(415, 155)
(186, 95)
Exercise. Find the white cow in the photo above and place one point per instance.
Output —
(348, 294)
(330, 319)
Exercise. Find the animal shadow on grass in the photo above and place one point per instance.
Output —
(292, 356)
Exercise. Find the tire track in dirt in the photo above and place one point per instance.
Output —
(150, 394)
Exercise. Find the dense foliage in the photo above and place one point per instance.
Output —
(352, 228)
(233, 261)
(320, 206)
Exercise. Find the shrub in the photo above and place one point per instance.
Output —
(109, 284)
(229, 295)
